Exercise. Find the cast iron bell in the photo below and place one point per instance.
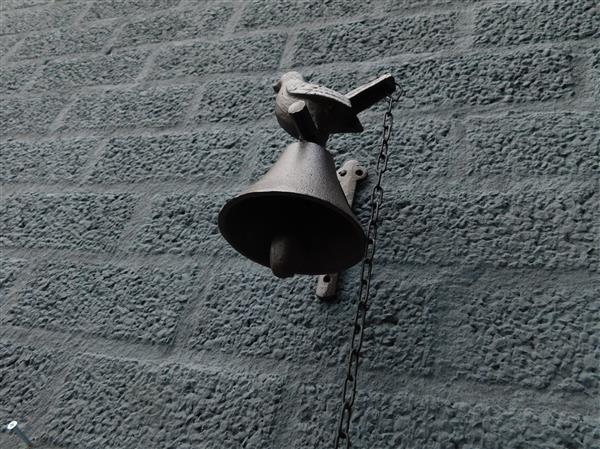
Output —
(296, 219)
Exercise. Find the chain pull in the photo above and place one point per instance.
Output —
(342, 435)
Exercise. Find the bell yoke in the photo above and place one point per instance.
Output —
(296, 219)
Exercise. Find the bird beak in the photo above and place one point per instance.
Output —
(277, 86)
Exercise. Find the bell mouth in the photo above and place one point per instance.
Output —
(325, 238)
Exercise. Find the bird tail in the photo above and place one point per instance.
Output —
(365, 96)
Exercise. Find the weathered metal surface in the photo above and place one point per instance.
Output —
(296, 219)
(307, 130)
(348, 175)
(365, 96)
(331, 111)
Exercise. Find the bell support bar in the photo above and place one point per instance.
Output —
(365, 96)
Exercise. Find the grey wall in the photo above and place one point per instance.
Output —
(127, 322)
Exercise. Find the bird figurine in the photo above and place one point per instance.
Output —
(311, 112)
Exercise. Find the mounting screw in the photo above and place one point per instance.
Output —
(13, 427)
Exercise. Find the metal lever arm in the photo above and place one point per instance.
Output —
(365, 96)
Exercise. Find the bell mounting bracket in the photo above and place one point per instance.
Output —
(350, 173)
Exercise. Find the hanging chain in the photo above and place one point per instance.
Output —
(349, 391)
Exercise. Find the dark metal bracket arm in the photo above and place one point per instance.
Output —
(349, 176)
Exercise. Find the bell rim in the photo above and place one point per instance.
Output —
(349, 217)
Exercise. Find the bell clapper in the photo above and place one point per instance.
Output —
(283, 249)
(348, 175)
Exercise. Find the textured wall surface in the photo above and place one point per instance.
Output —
(126, 322)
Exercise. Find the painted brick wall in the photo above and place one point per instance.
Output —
(127, 322)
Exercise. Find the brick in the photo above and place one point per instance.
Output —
(119, 108)
(595, 78)
(25, 372)
(534, 144)
(133, 304)
(402, 323)
(15, 4)
(108, 9)
(481, 79)
(116, 68)
(527, 23)
(375, 38)
(206, 22)
(474, 79)
(64, 41)
(421, 421)
(256, 53)
(520, 332)
(67, 221)
(253, 100)
(44, 161)
(251, 313)
(29, 115)
(524, 227)
(26, 20)
(265, 13)
(490, 332)
(14, 76)
(185, 225)
(401, 6)
(237, 317)
(6, 43)
(316, 411)
(190, 407)
(202, 156)
(418, 148)
(272, 142)
(10, 270)
(482, 329)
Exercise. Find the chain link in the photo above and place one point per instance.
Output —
(349, 391)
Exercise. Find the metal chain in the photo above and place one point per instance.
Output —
(350, 383)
